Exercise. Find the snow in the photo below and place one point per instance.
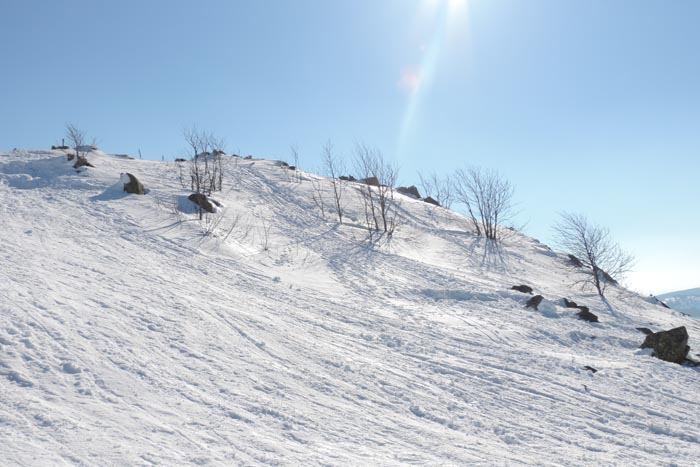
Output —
(131, 334)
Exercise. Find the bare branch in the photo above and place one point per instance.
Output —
(604, 261)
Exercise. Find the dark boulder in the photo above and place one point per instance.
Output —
(575, 262)
(180, 159)
(534, 302)
(292, 167)
(586, 315)
(81, 161)
(570, 304)
(645, 331)
(430, 200)
(347, 178)
(670, 346)
(201, 200)
(411, 191)
(608, 278)
(590, 368)
(132, 184)
(372, 181)
(522, 288)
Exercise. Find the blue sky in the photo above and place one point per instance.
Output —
(587, 106)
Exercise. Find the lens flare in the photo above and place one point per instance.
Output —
(415, 80)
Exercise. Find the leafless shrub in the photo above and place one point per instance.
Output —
(487, 197)
(333, 166)
(264, 233)
(377, 198)
(205, 168)
(317, 196)
(440, 188)
(604, 261)
(294, 150)
(77, 138)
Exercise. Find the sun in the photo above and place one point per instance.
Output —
(454, 6)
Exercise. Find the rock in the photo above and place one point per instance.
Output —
(534, 302)
(608, 278)
(586, 315)
(292, 167)
(81, 161)
(372, 181)
(646, 331)
(207, 204)
(247, 158)
(132, 184)
(348, 178)
(575, 262)
(430, 200)
(522, 288)
(284, 164)
(670, 346)
(409, 191)
(180, 159)
(590, 368)
(570, 304)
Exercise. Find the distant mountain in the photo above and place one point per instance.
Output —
(687, 301)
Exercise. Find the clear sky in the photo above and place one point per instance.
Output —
(584, 105)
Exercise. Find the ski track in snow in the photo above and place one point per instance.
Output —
(129, 338)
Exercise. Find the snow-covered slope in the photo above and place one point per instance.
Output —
(132, 335)
(687, 301)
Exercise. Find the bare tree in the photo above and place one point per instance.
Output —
(294, 150)
(441, 189)
(378, 178)
(333, 166)
(206, 168)
(604, 261)
(317, 196)
(487, 197)
(77, 139)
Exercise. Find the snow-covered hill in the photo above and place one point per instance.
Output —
(133, 335)
(687, 301)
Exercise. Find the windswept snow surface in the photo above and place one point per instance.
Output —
(131, 334)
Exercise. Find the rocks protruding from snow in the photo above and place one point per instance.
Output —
(207, 204)
(432, 201)
(569, 304)
(522, 288)
(534, 302)
(411, 191)
(347, 178)
(670, 346)
(132, 184)
(81, 161)
(645, 331)
(590, 368)
(575, 262)
(372, 181)
(586, 315)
